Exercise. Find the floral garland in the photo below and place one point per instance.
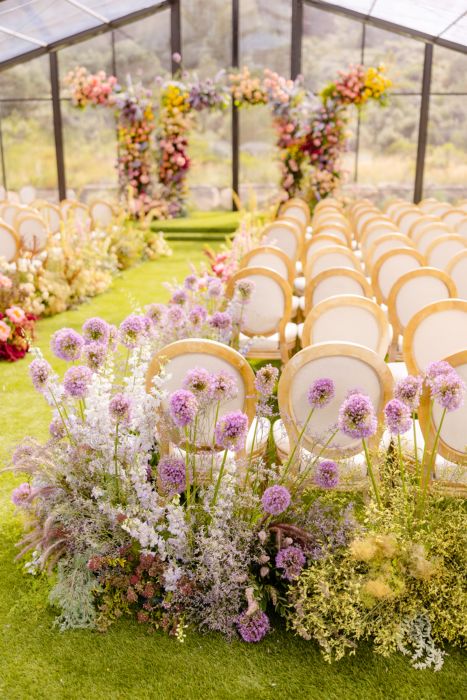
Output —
(310, 135)
(16, 328)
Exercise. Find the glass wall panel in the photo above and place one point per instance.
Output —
(26, 80)
(265, 34)
(29, 149)
(207, 49)
(449, 71)
(403, 58)
(446, 156)
(388, 148)
(142, 49)
(330, 43)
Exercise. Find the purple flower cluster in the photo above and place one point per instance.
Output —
(56, 428)
(448, 390)
(172, 474)
(221, 321)
(200, 382)
(76, 381)
(96, 330)
(197, 316)
(327, 474)
(132, 330)
(291, 560)
(21, 495)
(409, 390)
(252, 628)
(244, 290)
(120, 408)
(266, 379)
(183, 407)
(398, 417)
(435, 369)
(94, 354)
(67, 344)
(175, 316)
(40, 372)
(156, 313)
(191, 283)
(231, 431)
(215, 288)
(357, 417)
(224, 386)
(179, 297)
(320, 393)
(276, 499)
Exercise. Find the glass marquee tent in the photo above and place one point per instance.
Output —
(416, 147)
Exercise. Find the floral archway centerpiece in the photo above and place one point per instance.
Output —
(311, 130)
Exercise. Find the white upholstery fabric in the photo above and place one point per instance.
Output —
(458, 273)
(336, 284)
(398, 370)
(299, 286)
(266, 306)
(417, 293)
(393, 268)
(441, 334)
(269, 343)
(298, 267)
(8, 247)
(443, 251)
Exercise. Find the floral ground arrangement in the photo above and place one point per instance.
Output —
(219, 534)
(40, 661)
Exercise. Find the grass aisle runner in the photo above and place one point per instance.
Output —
(37, 662)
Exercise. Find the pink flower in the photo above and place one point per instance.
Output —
(15, 314)
(5, 282)
(5, 331)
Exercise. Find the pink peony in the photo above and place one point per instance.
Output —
(5, 331)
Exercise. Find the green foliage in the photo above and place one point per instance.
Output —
(73, 594)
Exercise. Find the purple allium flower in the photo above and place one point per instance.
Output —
(197, 316)
(252, 628)
(275, 499)
(191, 282)
(327, 474)
(398, 417)
(175, 316)
(183, 407)
(21, 495)
(409, 390)
(244, 290)
(221, 320)
(179, 297)
(291, 560)
(224, 386)
(434, 369)
(67, 344)
(172, 474)
(76, 381)
(156, 313)
(357, 416)
(94, 355)
(40, 372)
(231, 431)
(56, 428)
(200, 382)
(266, 379)
(320, 393)
(448, 390)
(132, 330)
(96, 330)
(120, 408)
(215, 288)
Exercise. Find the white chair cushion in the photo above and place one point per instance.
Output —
(302, 303)
(299, 286)
(271, 342)
(298, 267)
(407, 441)
(350, 469)
(398, 370)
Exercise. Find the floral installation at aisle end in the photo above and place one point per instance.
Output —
(77, 263)
(214, 532)
(311, 131)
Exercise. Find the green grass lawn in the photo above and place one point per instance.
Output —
(37, 661)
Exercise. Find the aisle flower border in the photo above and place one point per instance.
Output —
(310, 131)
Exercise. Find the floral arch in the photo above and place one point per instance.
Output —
(153, 155)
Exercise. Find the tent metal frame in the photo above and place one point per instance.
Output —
(177, 47)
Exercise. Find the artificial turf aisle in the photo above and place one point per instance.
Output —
(38, 662)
